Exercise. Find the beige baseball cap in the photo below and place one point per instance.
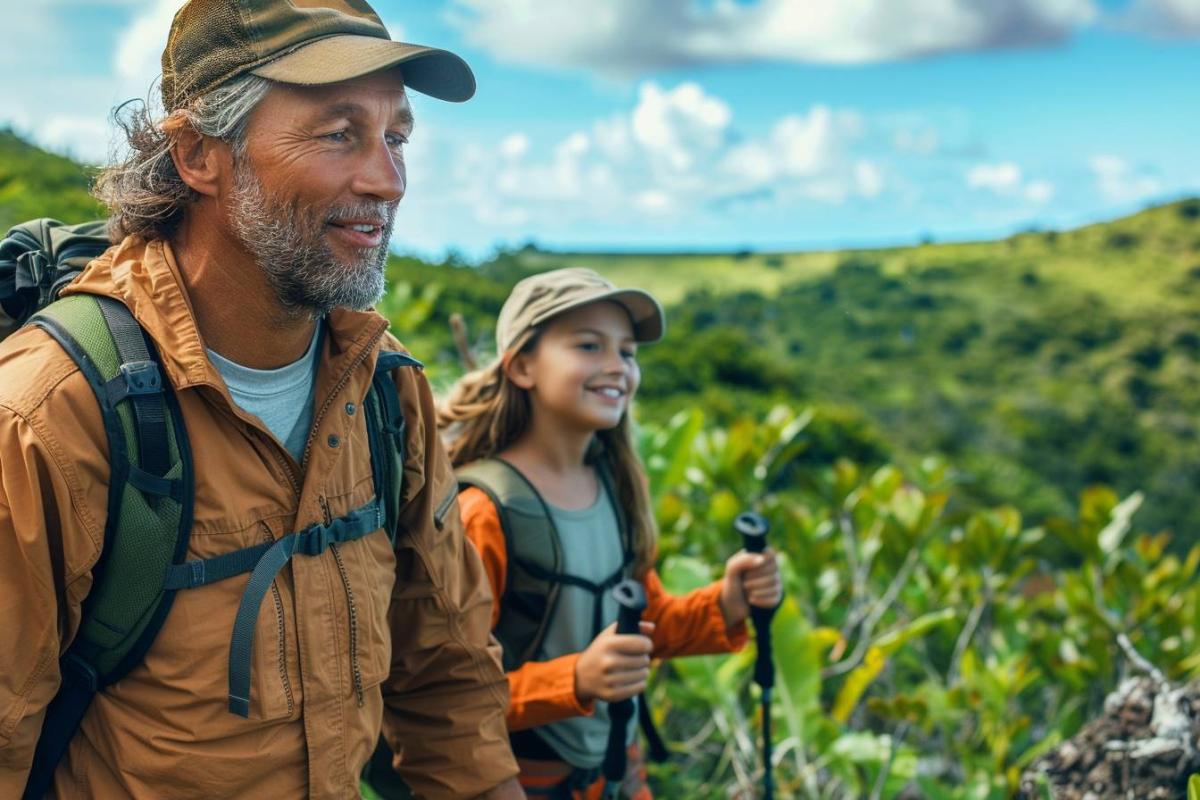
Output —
(296, 41)
(540, 297)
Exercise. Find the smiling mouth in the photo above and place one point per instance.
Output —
(361, 227)
(610, 392)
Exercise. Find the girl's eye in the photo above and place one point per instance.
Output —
(589, 346)
(628, 354)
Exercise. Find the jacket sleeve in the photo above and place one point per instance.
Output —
(689, 625)
(49, 542)
(541, 692)
(445, 697)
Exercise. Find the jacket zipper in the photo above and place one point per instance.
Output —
(355, 666)
(316, 422)
(283, 676)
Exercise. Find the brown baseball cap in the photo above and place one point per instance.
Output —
(296, 41)
(538, 298)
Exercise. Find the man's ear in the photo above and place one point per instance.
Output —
(519, 371)
(205, 163)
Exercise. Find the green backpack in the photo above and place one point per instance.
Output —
(142, 564)
(535, 576)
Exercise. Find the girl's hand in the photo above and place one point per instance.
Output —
(751, 579)
(614, 666)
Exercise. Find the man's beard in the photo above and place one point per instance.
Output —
(288, 243)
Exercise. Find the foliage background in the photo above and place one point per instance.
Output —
(978, 460)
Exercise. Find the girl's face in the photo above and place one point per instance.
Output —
(583, 370)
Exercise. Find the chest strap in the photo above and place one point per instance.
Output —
(263, 562)
(597, 590)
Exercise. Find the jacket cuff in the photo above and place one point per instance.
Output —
(570, 698)
(543, 692)
(730, 639)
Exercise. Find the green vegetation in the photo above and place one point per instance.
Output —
(1038, 365)
(930, 431)
(34, 183)
(924, 651)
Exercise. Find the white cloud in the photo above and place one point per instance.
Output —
(1007, 180)
(917, 141)
(675, 154)
(514, 145)
(1121, 182)
(626, 37)
(395, 30)
(1001, 178)
(1174, 19)
(679, 125)
(868, 178)
(1040, 191)
(138, 58)
(83, 138)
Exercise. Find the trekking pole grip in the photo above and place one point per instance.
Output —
(754, 528)
(631, 602)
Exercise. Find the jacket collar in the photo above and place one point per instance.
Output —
(145, 276)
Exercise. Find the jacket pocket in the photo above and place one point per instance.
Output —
(368, 571)
(190, 655)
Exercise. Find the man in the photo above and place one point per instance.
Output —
(252, 225)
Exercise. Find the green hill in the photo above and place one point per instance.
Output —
(34, 183)
(1039, 364)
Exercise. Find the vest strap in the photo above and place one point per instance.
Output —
(141, 382)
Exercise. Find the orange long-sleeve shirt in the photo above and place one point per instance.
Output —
(542, 692)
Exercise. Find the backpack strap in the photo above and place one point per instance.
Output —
(538, 553)
(149, 512)
(385, 434)
(504, 484)
(526, 606)
(386, 430)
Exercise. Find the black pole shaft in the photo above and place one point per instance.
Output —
(753, 529)
(631, 602)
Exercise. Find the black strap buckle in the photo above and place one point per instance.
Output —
(76, 670)
(141, 377)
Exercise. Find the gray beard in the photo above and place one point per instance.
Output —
(288, 244)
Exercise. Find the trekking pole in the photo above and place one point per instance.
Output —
(631, 601)
(753, 529)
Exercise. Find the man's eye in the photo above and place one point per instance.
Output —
(337, 136)
(396, 140)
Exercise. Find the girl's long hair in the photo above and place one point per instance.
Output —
(485, 413)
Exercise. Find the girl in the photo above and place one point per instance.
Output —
(557, 505)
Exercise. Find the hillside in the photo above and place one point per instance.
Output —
(34, 183)
(1040, 364)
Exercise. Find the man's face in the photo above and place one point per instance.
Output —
(315, 192)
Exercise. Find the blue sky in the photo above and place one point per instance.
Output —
(720, 124)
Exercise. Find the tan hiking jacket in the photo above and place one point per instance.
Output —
(359, 636)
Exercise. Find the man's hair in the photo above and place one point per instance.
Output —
(144, 193)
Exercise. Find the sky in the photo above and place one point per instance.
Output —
(696, 125)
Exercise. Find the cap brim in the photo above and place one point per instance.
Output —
(437, 73)
(649, 322)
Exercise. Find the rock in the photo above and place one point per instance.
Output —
(1145, 745)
